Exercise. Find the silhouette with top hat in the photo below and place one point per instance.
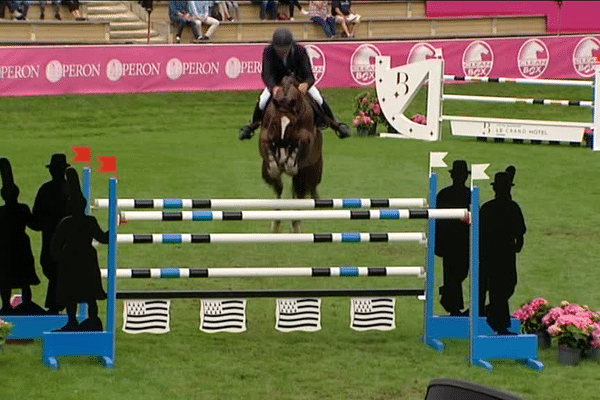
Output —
(501, 231)
(452, 239)
(17, 266)
(49, 208)
(79, 279)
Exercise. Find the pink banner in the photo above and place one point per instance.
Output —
(561, 16)
(45, 70)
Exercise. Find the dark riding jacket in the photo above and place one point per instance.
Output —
(298, 64)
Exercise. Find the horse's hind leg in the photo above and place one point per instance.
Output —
(299, 192)
(273, 180)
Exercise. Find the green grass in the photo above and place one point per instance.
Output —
(185, 145)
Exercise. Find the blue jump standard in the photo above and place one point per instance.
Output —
(100, 344)
(33, 326)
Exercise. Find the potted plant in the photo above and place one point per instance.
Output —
(531, 315)
(5, 328)
(367, 113)
(572, 326)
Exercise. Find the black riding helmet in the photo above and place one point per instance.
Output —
(282, 38)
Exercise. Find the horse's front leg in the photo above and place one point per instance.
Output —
(272, 175)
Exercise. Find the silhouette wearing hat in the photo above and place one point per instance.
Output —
(502, 227)
(452, 239)
(17, 266)
(79, 278)
(49, 208)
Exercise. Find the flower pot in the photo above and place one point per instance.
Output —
(367, 130)
(568, 355)
(544, 340)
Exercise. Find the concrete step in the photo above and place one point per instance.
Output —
(153, 40)
(132, 34)
(121, 17)
(127, 25)
(111, 9)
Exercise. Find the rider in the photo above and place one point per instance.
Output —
(286, 57)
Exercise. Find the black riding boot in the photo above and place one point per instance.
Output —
(341, 129)
(247, 131)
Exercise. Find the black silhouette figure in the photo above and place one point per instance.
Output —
(49, 208)
(483, 289)
(502, 227)
(79, 278)
(17, 266)
(452, 239)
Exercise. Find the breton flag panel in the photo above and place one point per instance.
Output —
(224, 315)
(298, 315)
(146, 316)
(373, 313)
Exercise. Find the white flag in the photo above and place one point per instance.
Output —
(478, 171)
(146, 316)
(298, 315)
(373, 313)
(223, 316)
(436, 159)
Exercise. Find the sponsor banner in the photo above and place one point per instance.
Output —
(54, 70)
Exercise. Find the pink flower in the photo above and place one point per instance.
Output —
(368, 120)
(356, 121)
(376, 108)
(554, 330)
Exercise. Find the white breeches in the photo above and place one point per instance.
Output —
(266, 95)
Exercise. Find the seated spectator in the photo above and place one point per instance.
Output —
(179, 13)
(20, 9)
(55, 4)
(200, 11)
(74, 9)
(318, 12)
(226, 8)
(342, 11)
(269, 7)
(292, 4)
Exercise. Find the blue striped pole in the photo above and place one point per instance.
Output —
(284, 204)
(430, 271)
(517, 100)
(382, 214)
(243, 272)
(348, 237)
(111, 313)
(474, 313)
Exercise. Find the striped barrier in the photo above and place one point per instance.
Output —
(383, 214)
(348, 237)
(169, 273)
(396, 87)
(286, 204)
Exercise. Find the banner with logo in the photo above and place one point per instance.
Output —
(54, 70)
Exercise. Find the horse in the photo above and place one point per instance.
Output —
(291, 143)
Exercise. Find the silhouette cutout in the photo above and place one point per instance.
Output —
(452, 239)
(17, 266)
(79, 278)
(502, 227)
(49, 208)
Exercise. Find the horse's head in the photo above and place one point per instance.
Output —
(288, 99)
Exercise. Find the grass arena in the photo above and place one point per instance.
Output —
(185, 145)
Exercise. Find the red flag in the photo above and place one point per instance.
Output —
(107, 163)
(82, 154)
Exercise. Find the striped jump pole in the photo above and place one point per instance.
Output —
(241, 272)
(286, 204)
(550, 82)
(264, 293)
(518, 100)
(383, 214)
(348, 237)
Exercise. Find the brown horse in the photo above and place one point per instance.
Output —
(290, 143)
